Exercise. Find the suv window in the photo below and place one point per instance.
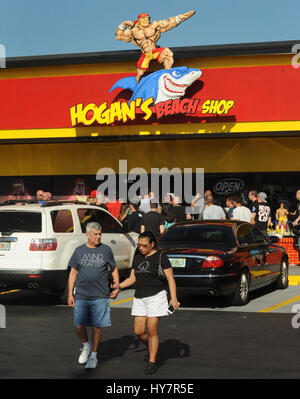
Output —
(27, 222)
(62, 221)
(108, 223)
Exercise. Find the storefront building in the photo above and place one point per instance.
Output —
(62, 118)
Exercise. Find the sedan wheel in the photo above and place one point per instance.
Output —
(283, 280)
(241, 295)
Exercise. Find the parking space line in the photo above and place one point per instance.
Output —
(8, 292)
(280, 305)
(121, 301)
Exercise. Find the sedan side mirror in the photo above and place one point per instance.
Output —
(273, 239)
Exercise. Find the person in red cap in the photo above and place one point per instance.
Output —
(144, 34)
(97, 198)
(93, 194)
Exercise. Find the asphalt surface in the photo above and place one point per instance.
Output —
(39, 342)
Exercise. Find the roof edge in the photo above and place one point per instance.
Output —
(219, 50)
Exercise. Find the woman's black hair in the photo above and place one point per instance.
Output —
(150, 235)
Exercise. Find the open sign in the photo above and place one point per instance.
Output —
(229, 186)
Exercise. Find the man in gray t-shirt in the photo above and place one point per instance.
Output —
(89, 266)
(92, 265)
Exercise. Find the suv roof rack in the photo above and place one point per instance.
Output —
(18, 202)
(62, 202)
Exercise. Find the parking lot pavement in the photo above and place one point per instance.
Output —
(39, 342)
(205, 339)
(264, 300)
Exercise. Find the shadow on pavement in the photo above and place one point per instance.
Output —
(118, 347)
(172, 349)
(108, 350)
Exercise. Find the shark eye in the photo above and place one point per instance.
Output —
(176, 74)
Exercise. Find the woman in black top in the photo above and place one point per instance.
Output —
(150, 299)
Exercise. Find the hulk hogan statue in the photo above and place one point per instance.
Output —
(144, 34)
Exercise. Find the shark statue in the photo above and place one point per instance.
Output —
(162, 85)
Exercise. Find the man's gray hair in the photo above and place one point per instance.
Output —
(93, 226)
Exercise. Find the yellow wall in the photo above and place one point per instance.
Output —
(214, 155)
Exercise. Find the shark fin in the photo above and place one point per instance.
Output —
(125, 83)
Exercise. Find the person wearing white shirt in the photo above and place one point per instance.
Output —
(145, 202)
(240, 212)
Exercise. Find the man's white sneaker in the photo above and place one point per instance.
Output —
(85, 353)
(92, 363)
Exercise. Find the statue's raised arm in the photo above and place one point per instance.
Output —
(170, 23)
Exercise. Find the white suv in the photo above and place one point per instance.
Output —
(36, 243)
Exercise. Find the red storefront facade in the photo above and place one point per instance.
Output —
(59, 122)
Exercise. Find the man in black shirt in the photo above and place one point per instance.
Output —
(166, 207)
(252, 198)
(153, 221)
(261, 213)
(178, 211)
(134, 220)
(297, 211)
(296, 222)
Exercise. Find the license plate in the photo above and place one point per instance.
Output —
(177, 262)
(4, 246)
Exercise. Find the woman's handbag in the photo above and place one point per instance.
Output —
(161, 273)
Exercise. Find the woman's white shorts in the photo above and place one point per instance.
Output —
(152, 306)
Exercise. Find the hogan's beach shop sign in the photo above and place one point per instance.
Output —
(158, 94)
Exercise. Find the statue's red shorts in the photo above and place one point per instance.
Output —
(145, 58)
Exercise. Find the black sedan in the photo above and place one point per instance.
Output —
(224, 257)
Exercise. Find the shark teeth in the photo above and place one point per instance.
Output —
(173, 87)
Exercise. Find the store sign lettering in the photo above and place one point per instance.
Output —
(123, 111)
(228, 186)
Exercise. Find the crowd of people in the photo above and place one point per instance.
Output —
(145, 213)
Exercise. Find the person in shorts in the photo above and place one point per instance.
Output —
(89, 275)
(150, 299)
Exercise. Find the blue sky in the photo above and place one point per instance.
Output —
(39, 27)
